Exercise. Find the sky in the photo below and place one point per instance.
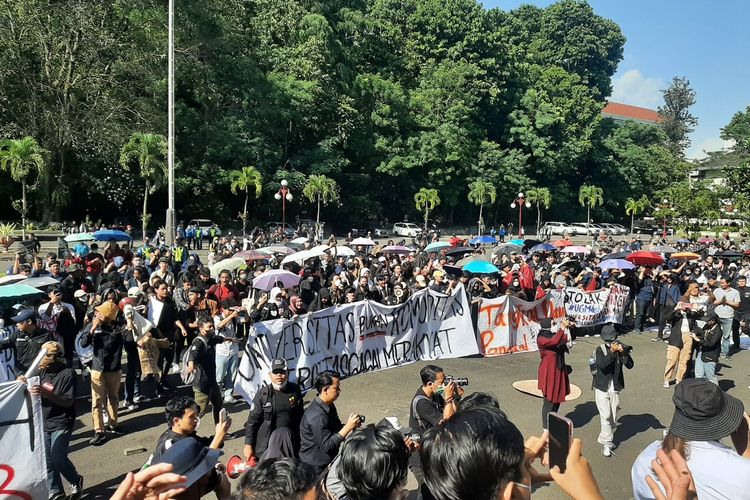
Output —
(706, 41)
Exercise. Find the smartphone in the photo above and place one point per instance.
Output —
(223, 415)
(560, 438)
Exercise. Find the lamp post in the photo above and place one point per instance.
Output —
(665, 205)
(284, 195)
(520, 201)
(170, 223)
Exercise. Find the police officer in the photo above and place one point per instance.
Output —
(26, 340)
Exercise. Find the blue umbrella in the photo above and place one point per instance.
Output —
(684, 240)
(543, 247)
(437, 246)
(616, 264)
(481, 267)
(110, 234)
(17, 291)
(518, 242)
(482, 240)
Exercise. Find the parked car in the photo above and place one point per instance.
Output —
(582, 228)
(406, 229)
(205, 225)
(557, 228)
(380, 232)
(620, 229)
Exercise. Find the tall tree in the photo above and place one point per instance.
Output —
(426, 200)
(481, 192)
(149, 151)
(590, 196)
(676, 119)
(21, 157)
(634, 207)
(244, 180)
(320, 189)
(541, 197)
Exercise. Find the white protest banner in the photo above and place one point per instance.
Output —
(23, 470)
(508, 324)
(357, 338)
(595, 308)
(7, 360)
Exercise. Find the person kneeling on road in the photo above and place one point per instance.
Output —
(272, 428)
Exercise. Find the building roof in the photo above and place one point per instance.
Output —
(627, 112)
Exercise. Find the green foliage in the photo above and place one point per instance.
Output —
(677, 121)
(425, 201)
(320, 189)
(243, 180)
(149, 152)
(21, 157)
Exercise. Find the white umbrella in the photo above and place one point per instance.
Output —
(79, 237)
(12, 278)
(299, 241)
(343, 251)
(317, 251)
(39, 282)
(363, 241)
(298, 257)
(230, 264)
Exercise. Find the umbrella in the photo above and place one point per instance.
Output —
(616, 255)
(268, 279)
(684, 240)
(363, 241)
(543, 247)
(71, 238)
(12, 278)
(663, 249)
(529, 244)
(472, 258)
(517, 241)
(459, 250)
(562, 243)
(481, 267)
(685, 256)
(396, 249)
(252, 255)
(229, 264)
(616, 264)
(344, 251)
(729, 254)
(437, 246)
(110, 234)
(39, 282)
(706, 239)
(299, 241)
(573, 265)
(453, 270)
(319, 250)
(277, 249)
(18, 291)
(645, 258)
(575, 249)
(483, 240)
(506, 249)
(298, 257)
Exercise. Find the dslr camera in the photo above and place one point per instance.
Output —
(625, 347)
(361, 419)
(458, 381)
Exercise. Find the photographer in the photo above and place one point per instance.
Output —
(608, 382)
(321, 430)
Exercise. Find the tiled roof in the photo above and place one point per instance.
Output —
(628, 112)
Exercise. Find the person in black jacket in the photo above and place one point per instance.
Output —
(608, 382)
(682, 318)
(202, 362)
(27, 340)
(709, 340)
(105, 334)
(272, 428)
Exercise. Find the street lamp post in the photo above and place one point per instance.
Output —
(284, 195)
(170, 223)
(665, 205)
(521, 202)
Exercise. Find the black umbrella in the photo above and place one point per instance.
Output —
(459, 250)
(729, 254)
(453, 271)
(527, 244)
(617, 255)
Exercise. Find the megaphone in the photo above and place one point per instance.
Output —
(236, 466)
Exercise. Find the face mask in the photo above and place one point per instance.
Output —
(243, 276)
(278, 387)
(440, 390)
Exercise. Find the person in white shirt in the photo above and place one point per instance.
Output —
(703, 415)
(227, 353)
(727, 299)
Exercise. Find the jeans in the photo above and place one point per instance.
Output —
(726, 334)
(58, 464)
(607, 404)
(547, 407)
(705, 369)
(226, 372)
(641, 313)
(132, 373)
(666, 310)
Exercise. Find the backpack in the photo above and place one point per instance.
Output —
(414, 411)
(592, 360)
(186, 376)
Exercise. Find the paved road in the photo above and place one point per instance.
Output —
(646, 410)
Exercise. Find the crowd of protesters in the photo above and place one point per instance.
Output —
(91, 319)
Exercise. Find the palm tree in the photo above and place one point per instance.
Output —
(323, 190)
(539, 197)
(590, 196)
(426, 200)
(20, 157)
(481, 192)
(150, 152)
(243, 180)
(633, 207)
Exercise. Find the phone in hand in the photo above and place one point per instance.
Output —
(223, 415)
(560, 438)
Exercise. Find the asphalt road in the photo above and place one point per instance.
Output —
(646, 410)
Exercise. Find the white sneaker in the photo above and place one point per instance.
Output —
(106, 417)
(666, 385)
(175, 368)
(229, 400)
(606, 451)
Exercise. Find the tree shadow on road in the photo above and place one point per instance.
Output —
(632, 425)
(583, 413)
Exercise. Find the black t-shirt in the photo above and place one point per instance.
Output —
(430, 411)
(744, 308)
(63, 384)
(203, 355)
(170, 437)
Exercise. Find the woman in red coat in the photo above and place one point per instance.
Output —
(553, 373)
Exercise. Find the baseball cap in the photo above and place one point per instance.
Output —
(191, 459)
(396, 424)
(24, 315)
(74, 267)
(279, 365)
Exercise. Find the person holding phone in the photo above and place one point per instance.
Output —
(553, 372)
